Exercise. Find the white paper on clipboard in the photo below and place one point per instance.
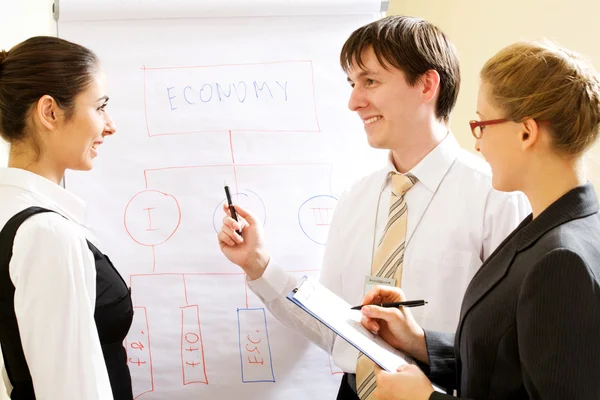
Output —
(337, 315)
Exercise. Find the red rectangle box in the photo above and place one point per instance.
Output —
(139, 356)
(265, 97)
(192, 351)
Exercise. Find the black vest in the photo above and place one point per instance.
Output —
(113, 315)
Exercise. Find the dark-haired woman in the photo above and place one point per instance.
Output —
(64, 309)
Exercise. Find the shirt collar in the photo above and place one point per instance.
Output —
(62, 200)
(433, 167)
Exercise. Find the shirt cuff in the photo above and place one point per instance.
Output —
(271, 285)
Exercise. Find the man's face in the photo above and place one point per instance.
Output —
(387, 105)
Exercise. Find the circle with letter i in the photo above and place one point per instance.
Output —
(152, 217)
(314, 217)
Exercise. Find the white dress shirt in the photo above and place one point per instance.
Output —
(455, 220)
(54, 275)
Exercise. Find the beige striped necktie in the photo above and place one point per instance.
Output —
(387, 263)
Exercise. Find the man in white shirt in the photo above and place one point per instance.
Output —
(405, 78)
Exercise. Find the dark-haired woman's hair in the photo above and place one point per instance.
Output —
(41, 65)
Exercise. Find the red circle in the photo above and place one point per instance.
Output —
(169, 234)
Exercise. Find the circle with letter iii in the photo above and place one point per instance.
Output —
(314, 217)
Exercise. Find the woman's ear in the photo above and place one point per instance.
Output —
(48, 112)
(529, 133)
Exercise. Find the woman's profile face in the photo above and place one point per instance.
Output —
(499, 144)
(80, 138)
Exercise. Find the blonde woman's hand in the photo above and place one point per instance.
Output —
(407, 383)
(395, 325)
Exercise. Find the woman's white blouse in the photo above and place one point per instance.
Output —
(54, 275)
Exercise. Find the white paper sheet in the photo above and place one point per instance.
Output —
(156, 191)
(337, 314)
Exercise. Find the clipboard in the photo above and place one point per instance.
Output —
(335, 313)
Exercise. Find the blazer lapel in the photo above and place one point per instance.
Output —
(490, 273)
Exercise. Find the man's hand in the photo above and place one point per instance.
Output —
(246, 250)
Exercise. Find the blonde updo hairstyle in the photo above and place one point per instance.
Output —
(552, 85)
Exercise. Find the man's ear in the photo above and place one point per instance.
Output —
(431, 84)
(530, 133)
(48, 113)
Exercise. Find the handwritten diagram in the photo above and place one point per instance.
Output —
(195, 320)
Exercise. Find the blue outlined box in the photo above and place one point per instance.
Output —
(255, 350)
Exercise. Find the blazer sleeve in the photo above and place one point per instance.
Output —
(558, 327)
(442, 359)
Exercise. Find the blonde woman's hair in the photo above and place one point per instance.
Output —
(548, 83)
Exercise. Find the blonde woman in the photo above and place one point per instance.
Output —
(530, 319)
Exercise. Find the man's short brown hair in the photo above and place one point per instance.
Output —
(413, 46)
